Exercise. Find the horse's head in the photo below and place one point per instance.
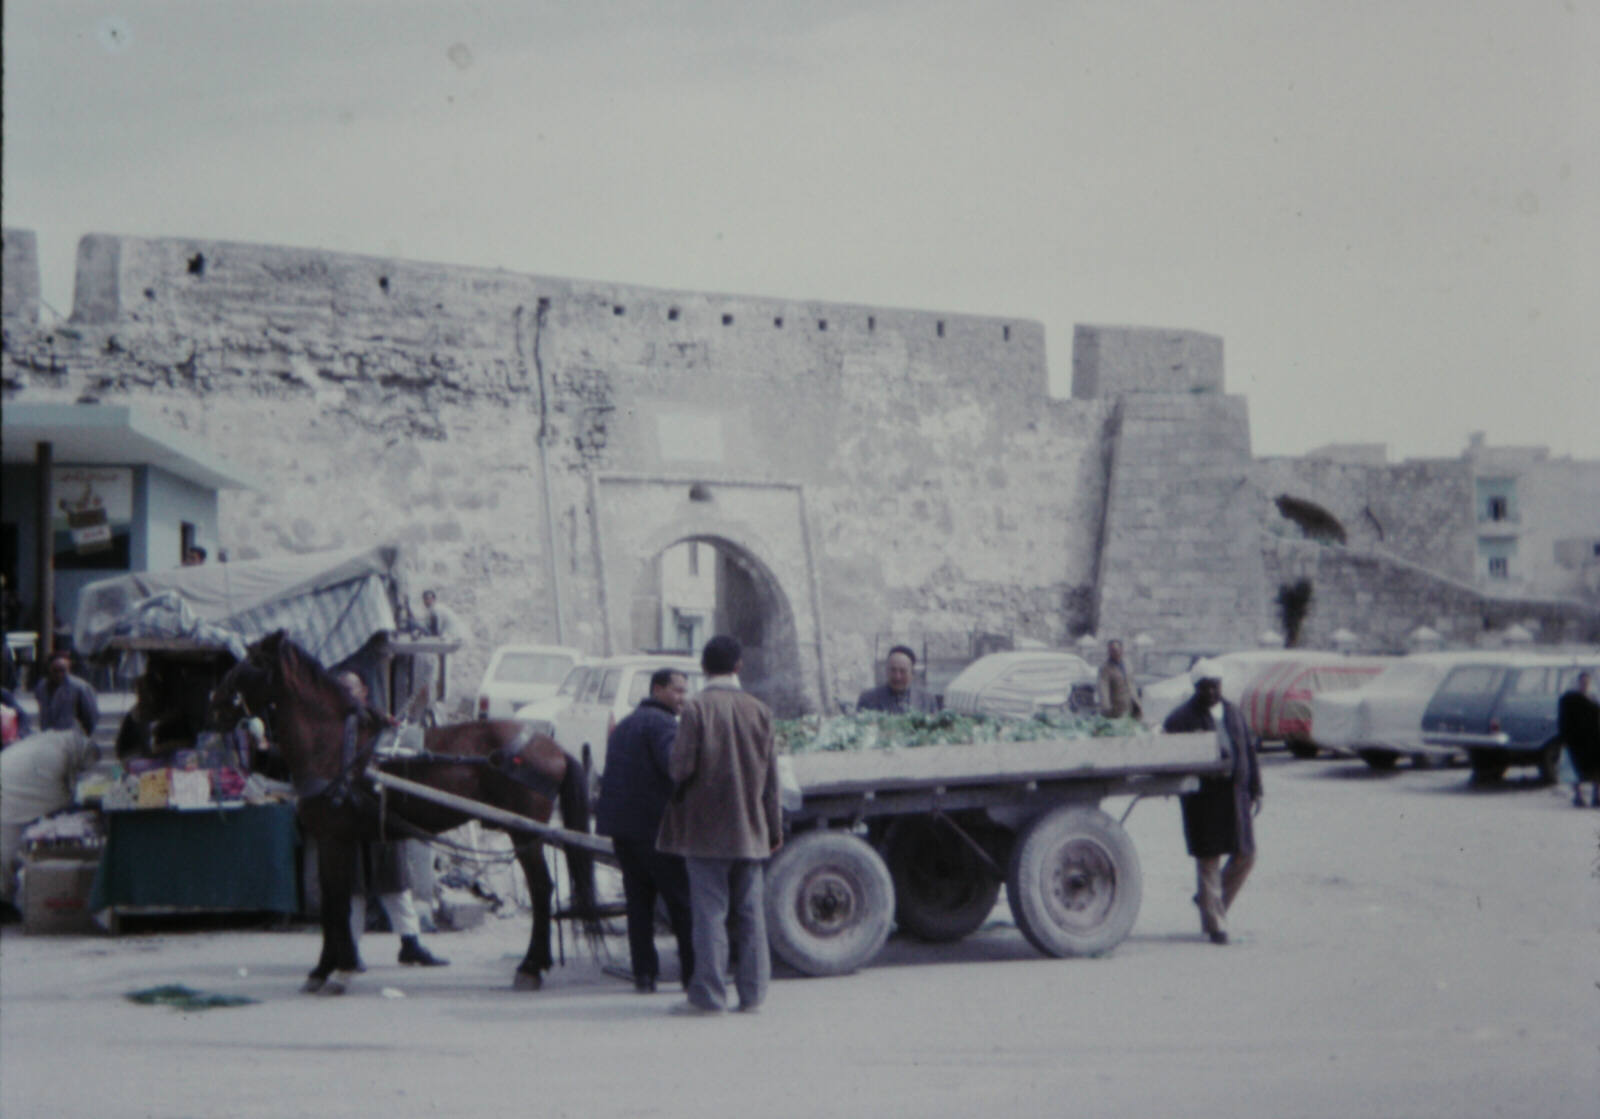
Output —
(250, 688)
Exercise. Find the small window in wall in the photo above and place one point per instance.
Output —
(694, 557)
(1499, 508)
(1499, 567)
(186, 539)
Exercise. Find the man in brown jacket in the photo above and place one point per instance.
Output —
(725, 821)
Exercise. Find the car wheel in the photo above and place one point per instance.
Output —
(1487, 765)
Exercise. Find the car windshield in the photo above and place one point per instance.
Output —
(608, 685)
(572, 681)
(1167, 664)
(531, 668)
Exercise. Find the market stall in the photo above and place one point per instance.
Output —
(191, 819)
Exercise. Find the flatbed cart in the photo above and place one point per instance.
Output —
(923, 837)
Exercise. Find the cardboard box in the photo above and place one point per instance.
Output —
(55, 896)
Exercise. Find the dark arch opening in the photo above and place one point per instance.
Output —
(700, 586)
(1315, 521)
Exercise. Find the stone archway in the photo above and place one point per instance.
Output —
(745, 601)
(767, 595)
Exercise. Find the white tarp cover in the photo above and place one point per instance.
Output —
(329, 602)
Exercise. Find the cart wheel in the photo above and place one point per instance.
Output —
(942, 889)
(1074, 883)
(829, 903)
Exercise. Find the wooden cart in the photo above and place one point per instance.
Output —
(924, 837)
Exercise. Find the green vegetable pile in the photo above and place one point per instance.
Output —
(874, 730)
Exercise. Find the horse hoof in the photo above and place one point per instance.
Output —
(527, 981)
(313, 984)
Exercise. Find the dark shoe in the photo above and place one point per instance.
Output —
(694, 1010)
(645, 984)
(749, 1008)
(1218, 937)
(412, 952)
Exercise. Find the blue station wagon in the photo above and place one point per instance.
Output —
(1502, 712)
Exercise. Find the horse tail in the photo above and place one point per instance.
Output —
(574, 797)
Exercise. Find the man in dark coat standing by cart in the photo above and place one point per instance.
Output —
(1218, 819)
(724, 818)
(634, 790)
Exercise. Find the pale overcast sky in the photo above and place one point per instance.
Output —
(1389, 210)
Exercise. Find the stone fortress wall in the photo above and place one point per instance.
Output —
(535, 441)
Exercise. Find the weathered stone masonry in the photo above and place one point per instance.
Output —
(538, 440)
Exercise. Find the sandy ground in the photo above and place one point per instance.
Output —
(1408, 946)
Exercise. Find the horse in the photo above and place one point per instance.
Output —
(305, 708)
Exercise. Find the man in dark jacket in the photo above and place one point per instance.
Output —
(634, 790)
(1217, 820)
(1578, 724)
(900, 695)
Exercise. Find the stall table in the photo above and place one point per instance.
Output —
(215, 859)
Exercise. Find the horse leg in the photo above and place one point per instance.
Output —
(530, 971)
(335, 874)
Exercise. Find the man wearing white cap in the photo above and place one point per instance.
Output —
(1217, 820)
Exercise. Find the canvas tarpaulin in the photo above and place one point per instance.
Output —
(331, 603)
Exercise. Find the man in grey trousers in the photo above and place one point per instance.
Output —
(724, 819)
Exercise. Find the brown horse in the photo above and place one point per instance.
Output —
(305, 711)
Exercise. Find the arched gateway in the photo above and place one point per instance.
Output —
(752, 545)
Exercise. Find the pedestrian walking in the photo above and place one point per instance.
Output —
(1218, 819)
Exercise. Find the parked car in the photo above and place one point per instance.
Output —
(1155, 665)
(1237, 671)
(519, 674)
(1501, 709)
(1277, 703)
(608, 689)
(1381, 722)
(1022, 684)
(546, 709)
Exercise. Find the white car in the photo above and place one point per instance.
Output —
(1022, 684)
(520, 674)
(545, 710)
(609, 689)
